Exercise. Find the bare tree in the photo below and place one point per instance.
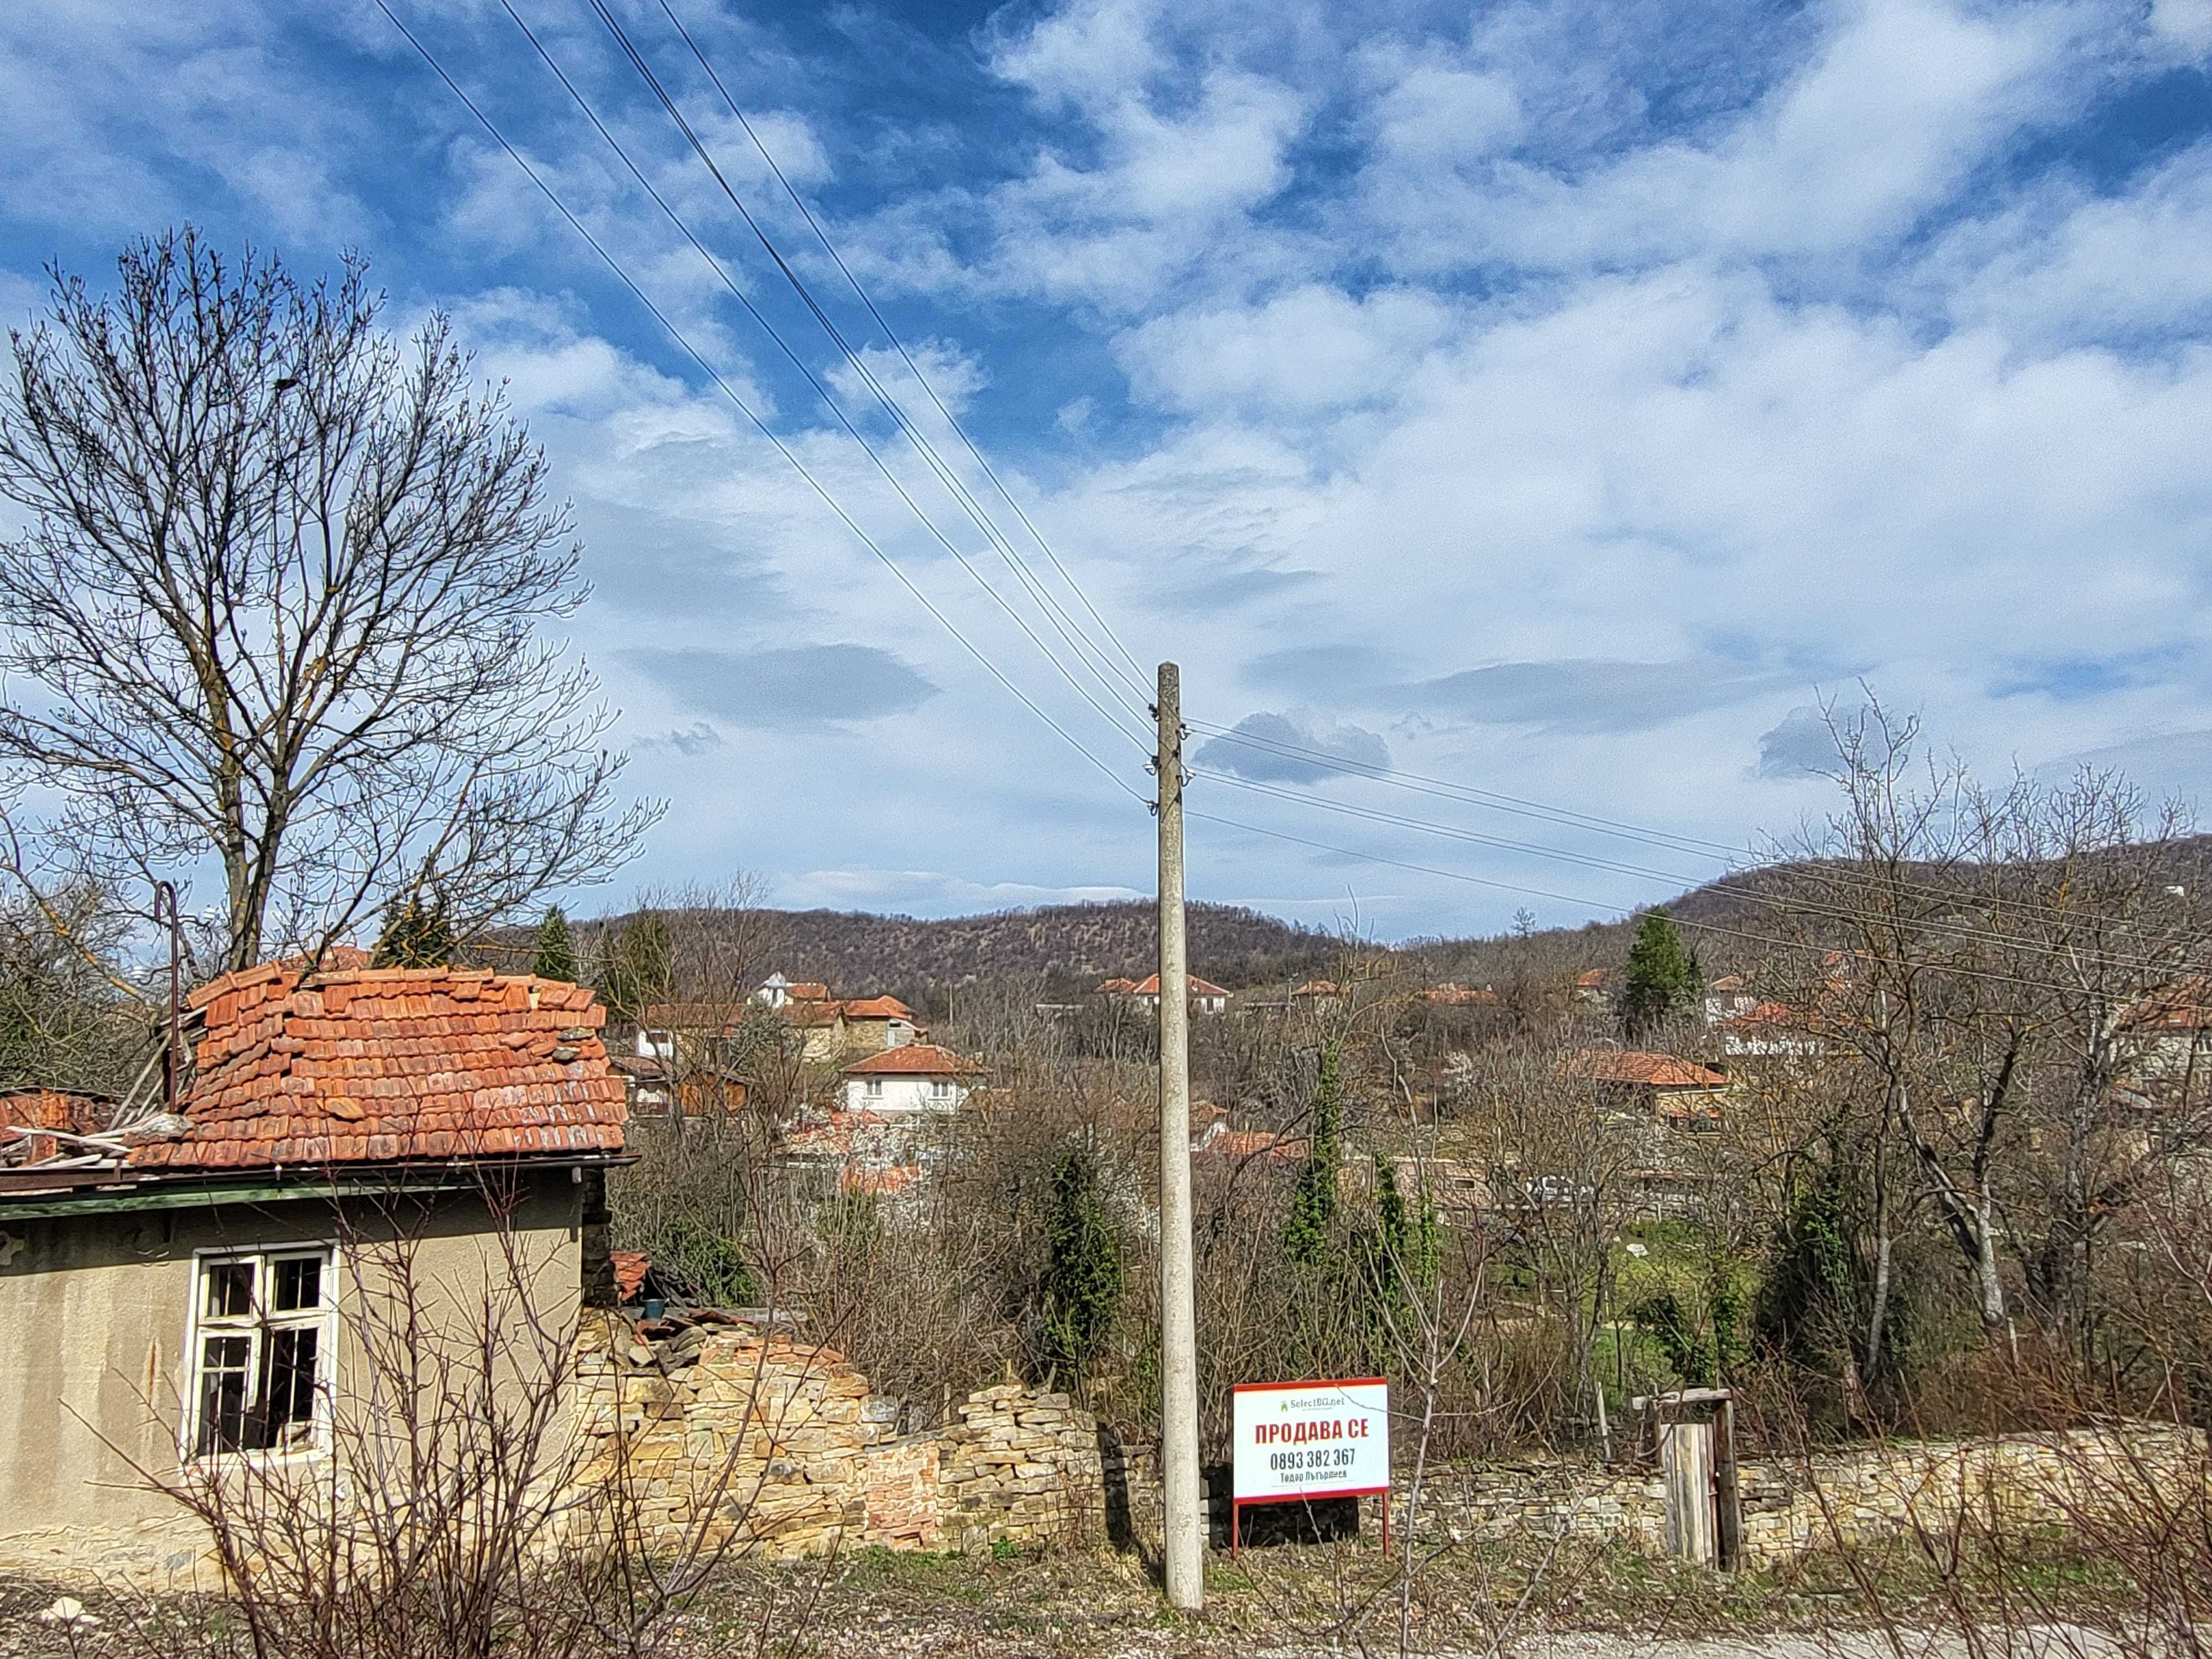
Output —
(278, 602)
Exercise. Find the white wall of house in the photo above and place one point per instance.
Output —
(904, 1094)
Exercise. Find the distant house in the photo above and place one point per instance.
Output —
(777, 991)
(1595, 987)
(1241, 1146)
(1315, 992)
(2170, 1032)
(182, 1280)
(689, 1036)
(1669, 1091)
(1728, 998)
(914, 1077)
(1764, 1029)
(1206, 997)
(1452, 994)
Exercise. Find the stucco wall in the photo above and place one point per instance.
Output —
(95, 1309)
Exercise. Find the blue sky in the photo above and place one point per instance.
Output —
(1561, 399)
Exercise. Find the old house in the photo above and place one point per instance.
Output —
(187, 1267)
(1665, 1089)
(1206, 997)
(914, 1077)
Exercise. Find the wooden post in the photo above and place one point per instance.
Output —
(1727, 1493)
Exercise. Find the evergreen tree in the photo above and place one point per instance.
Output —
(556, 950)
(416, 933)
(1083, 1267)
(1308, 1234)
(1404, 1255)
(1663, 976)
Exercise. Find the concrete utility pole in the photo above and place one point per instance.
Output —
(1185, 1540)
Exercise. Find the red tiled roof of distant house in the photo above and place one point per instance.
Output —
(809, 990)
(1150, 986)
(1594, 979)
(1313, 987)
(392, 1064)
(807, 1014)
(879, 1183)
(1638, 1065)
(1727, 982)
(1245, 1144)
(69, 1110)
(913, 1060)
(630, 1269)
(877, 1008)
(1118, 987)
(1460, 996)
(2185, 1006)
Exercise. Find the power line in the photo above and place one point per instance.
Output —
(1083, 647)
(744, 408)
(1446, 789)
(1716, 928)
(892, 335)
(1793, 907)
(743, 300)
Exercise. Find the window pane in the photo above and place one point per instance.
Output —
(222, 1393)
(298, 1284)
(287, 1391)
(229, 1289)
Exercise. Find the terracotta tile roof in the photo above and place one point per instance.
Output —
(1460, 996)
(1312, 987)
(808, 990)
(877, 1008)
(913, 1060)
(1118, 988)
(1245, 1144)
(1638, 1065)
(388, 1065)
(2183, 1006)
(1150, 986)
(1726, 982)
(630, 1269)
(69, 1110)
(1594, 979)
(809, 1013)
(879, 1183)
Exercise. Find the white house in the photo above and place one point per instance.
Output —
(1206, 997)
(914, 1077)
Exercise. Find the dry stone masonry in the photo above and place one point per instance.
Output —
(721, 1429)
(2008, 1484)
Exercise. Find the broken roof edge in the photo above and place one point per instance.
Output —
(87, 1190)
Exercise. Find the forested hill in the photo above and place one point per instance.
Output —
(1069, 948)
(1070, 945)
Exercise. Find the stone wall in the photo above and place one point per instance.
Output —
(723, 1430)
(1853, 1496)
(1022, 1466)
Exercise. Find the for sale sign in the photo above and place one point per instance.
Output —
(1311, 1439)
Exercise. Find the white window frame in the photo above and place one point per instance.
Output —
(943, 1091)
(255, 1327)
